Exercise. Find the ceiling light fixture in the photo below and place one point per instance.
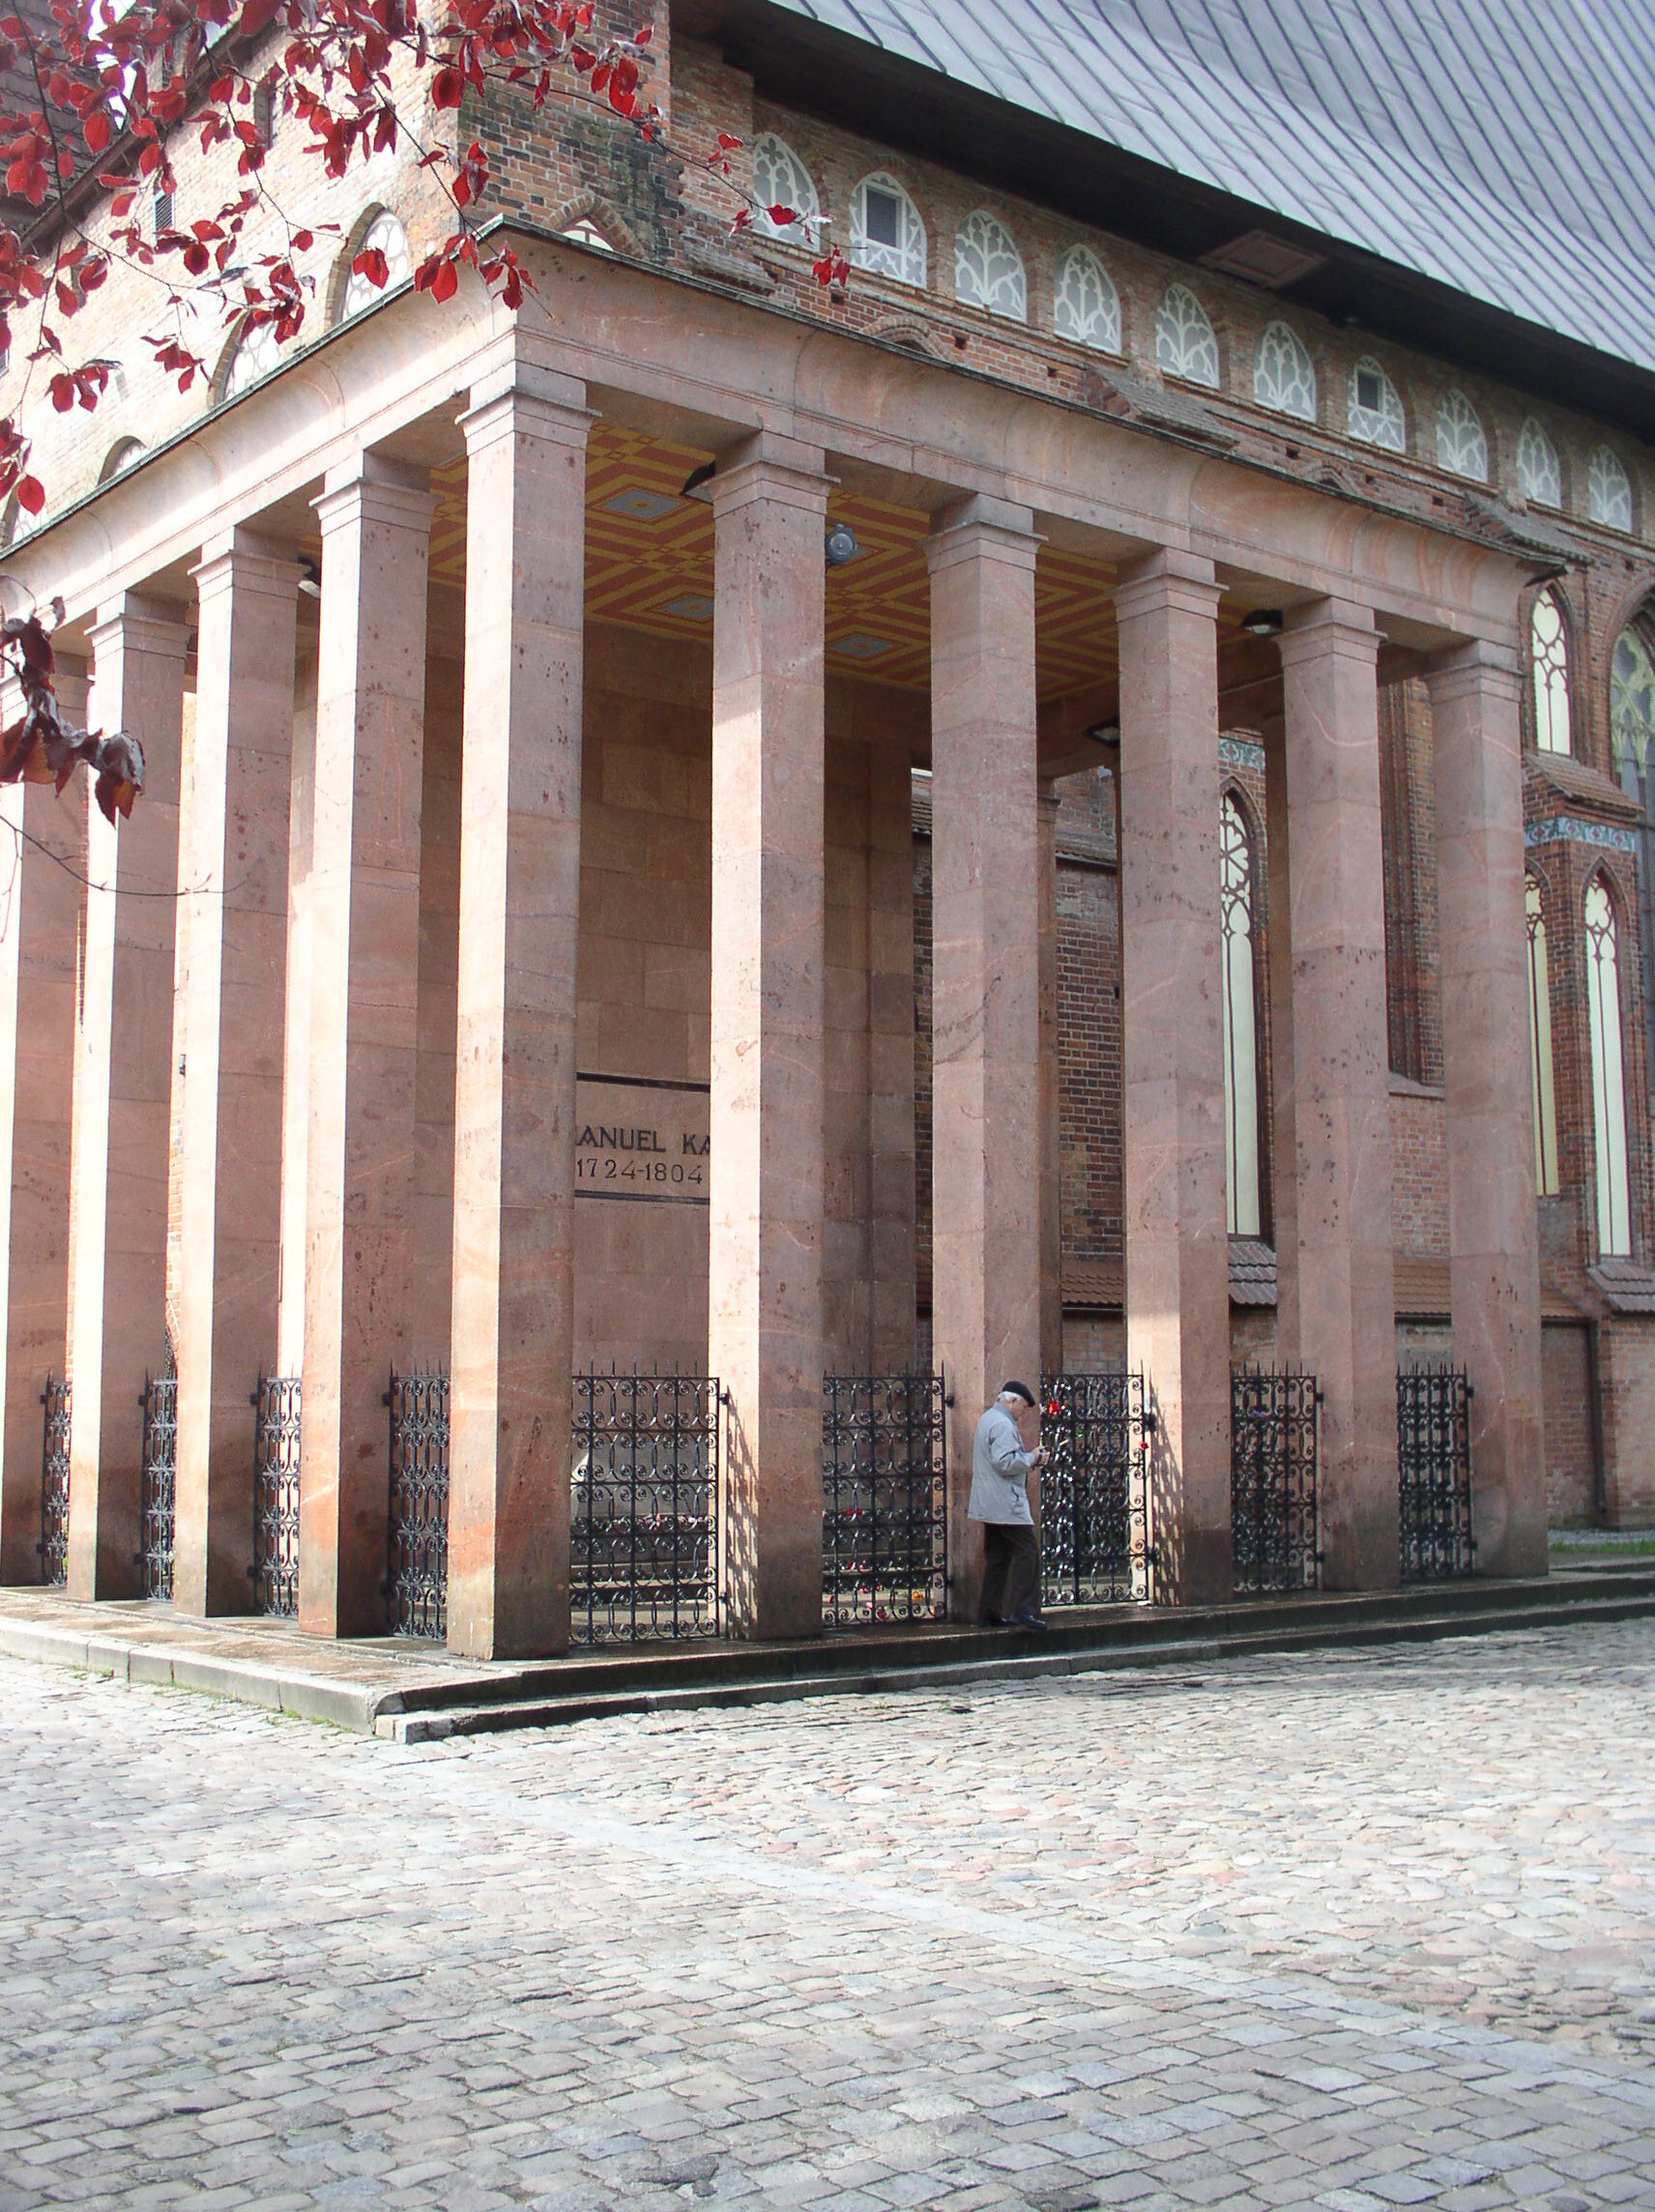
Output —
(1104, 733)
(311, 579)
(840, 546)
(1262, 622)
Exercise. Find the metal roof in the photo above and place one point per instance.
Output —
(1506, 151)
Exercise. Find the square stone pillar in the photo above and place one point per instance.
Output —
(1051, 1102)
(229, 1168)
(121, 1126)
(765, 1167)
(890, 1055)
(1493, 1238)
(40, 946)
(986, 1175)
(1283, 1075)
(1177, 1251)
(1341, 1139)
(514, 1251)
(364, 957)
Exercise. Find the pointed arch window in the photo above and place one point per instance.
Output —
(1086, 306)
(781, 179)
(1241, 1023)
(1546, 1183)
(384, 235)
(1548, 659)
(1632, 703)
(1375, 414)
(1462, 448)
(1539, 475)
(1185, 344)
(1284, 376)
(987, 269)
(1609, 1074)
(887, 234)
(1608, 490)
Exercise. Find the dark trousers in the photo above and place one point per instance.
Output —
(1011, 1573)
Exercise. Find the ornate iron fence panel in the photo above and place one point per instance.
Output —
(160, 1490)
(1434, 1468)
(1093, 1537)
(276, 1496)
(417, 1586)
(54, 1483)
(1273, 1437)
(884, 1503)
(644, 1507)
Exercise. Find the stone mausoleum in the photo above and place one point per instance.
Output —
(1078, 802)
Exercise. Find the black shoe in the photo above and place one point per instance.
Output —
(1029, 1620)
(993, 1620)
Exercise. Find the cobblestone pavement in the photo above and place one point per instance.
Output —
(1346, 1931)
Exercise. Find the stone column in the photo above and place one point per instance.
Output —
(1493, 1265)
(365, 951)
(514, 1264)
(1284, 1160)
(765, 1274)
(236, 817)
(1177, 1256)
(122, 1101)
(1342, 1145)
(891, 1054)
(986, 1145)
(40, 943)
(1051, 1101)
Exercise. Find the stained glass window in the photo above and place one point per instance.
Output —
(1539, 478)
(1608, 1077)
(1283, 378)
(1549, 656)
(1545, 1178)
(386, 235)
(1460, 446)
(1608, 490)
(1086, 306)
(987, 269)
(1375, 414)
(1241, 1023)
(1185, 345)
(887, 234)
(781, 179)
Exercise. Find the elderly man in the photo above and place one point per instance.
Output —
(1001, 1463)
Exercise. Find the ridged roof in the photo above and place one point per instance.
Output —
(1507, 152)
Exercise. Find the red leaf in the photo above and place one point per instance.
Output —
(97, 129)
(372, 264)
(781, 217)
(448, 88)
(30, 494)
(444, 280)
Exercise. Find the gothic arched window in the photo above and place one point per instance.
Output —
(887, 234)
(1240, 1021)
(1185, 345)
(1608, 1075)
(1549, 656)
(1462, 448)
(1284, 377)
(1632, 702)
(1608, 490)
(1547, 1183)
(987, 269)
(256, 353)
(781, 179)
(1375, 414)
(1539, 478)
(1086, 306)
(384, 235)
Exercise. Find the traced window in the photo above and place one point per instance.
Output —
(1375, 414)
(1185, 345)
(1608, 1079)
(1241, 1025)
(781, 179)
(1539, 478)
(1548, 654)
(119, 458)
(1632, 703)
(1086, 306)
(585, 232)
(987, 269)
(1283, 378)
(1460, 446)
(256, 354)
(1546, 1180)
(384, 235)
(1608, 490)
(887, 234)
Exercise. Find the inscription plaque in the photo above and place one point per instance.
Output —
(641, 1139)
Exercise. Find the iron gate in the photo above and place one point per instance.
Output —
(160, 1403)
(1273, 1437)
(884, 1505)
(54, 1483)
(417, 1586)
(1433, 1474)
(644, 1507)
(1093, 1537)
(276, 1496)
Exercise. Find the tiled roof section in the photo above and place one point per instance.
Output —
(1252, 1272)
(1628, 1287)
(1094, 1283)
(1577, 780)
(1506, 151)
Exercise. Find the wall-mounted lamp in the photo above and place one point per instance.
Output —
(311, 579)
(840, 546)
(1262, 622)
(696, 482)
(1104, 733)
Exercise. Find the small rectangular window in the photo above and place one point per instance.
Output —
(1368, 393)
(264, 112)
(881, 212)
(162, 213)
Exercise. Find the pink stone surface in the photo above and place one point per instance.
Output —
(1178, 1277)
(1282, 1073)
(364, 1035)
(123, 1075)
(514, 1104)
(1494, 1262)
(764, 1271)
(1051, 1119)
(39, 945)
(229, 1159)
(987, 1084)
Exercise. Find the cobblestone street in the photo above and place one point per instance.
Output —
(1345, 1932)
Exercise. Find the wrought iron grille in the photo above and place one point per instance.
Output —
(1094, 1539)
(1273, 1436)
(160, 1403)
(54, 1483)
(884, 1505)
(644, 1507)
(1433, 1463)
(417, 1586)
(276, 1496)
